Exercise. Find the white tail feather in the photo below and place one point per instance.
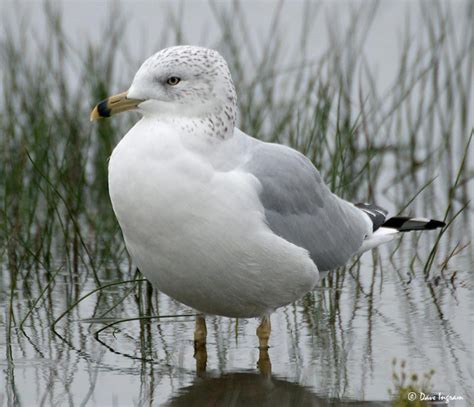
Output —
(380, 236)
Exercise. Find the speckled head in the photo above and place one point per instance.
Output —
(187, 81)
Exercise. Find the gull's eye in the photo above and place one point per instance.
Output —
(173, 80)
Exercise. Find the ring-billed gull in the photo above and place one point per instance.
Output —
(216, 219)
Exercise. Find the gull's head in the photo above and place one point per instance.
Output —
(177, 81)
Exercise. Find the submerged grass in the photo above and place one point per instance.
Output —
(407, 147)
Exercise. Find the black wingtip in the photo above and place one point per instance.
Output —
(435, 224)
(376, 213)
(407, 224)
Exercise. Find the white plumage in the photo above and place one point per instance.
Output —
(200, 234)
(214, 218)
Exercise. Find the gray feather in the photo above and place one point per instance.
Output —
(301, 209)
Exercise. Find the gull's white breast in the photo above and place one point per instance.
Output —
(197, 233)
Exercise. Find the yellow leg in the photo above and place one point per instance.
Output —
(200, 351)
(201, 360)
(264, 364)
(263, 332)
(200, 332)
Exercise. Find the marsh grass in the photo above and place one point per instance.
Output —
(56, 220)
(406, 384)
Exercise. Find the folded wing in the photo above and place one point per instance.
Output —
(300, 208)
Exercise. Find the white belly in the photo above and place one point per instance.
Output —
(199, 235)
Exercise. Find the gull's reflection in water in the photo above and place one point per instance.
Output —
(264, 364)
(242, 389)
(250, 388)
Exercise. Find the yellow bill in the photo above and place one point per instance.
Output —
(113, 105)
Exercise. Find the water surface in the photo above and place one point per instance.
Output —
(337, 343)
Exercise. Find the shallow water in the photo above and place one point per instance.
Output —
(335, 345)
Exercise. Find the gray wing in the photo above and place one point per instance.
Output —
(301, 209)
